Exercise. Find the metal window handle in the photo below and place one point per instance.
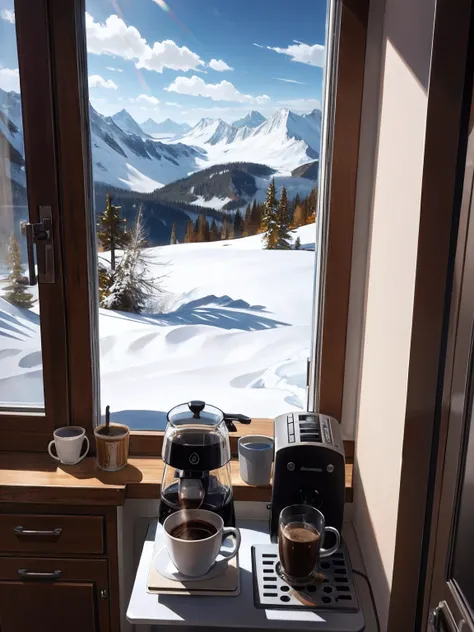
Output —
(34, 532)
(42, 235)
(25, 574)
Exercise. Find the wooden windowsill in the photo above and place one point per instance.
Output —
(35, 478)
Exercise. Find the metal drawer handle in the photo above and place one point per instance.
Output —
(51, 533)
(24, 574)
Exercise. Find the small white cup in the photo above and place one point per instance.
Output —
(68, 442)
(194, 558)
(255, 459)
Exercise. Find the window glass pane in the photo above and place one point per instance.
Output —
(205, 124)
(21, 376)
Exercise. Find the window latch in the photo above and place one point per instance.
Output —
(41, 235)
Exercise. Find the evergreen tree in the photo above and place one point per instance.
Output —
(247, 221)
(225, 232)
(173, 235)
(298, 243)
(196, 230)
(203, 229)
(255, 218)
(16, 292)
(132, 286)
(270, 219)
(312, 201)
(189, 236)
(238, 226)
(214, 232)
(284, 238)
(105, 281)
(299, 216)
(111, 231)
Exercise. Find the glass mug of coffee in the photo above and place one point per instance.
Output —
(301, 532)
(194, 539)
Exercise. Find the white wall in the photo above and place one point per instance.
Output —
(383, 279)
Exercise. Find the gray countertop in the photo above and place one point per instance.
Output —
(169, 611)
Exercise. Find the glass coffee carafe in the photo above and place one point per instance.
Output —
(196, 453)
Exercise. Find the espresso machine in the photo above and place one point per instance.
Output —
(196, 452)
(309, 467)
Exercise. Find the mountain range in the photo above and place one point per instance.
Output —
(165, 127)
(203, 166)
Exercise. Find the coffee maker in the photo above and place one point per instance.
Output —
(196, 453)
(309, 467)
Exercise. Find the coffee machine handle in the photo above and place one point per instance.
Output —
(333, 549)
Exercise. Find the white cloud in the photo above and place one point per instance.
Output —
(303, 53)
(114, 37)
(258, 45)
(219, 65)
(10, 79)
(114, 69)
(8, 15)
(290, 81)
(96, 81)
(173, 104)
(144, 98)
(167, 54)
(223, 91)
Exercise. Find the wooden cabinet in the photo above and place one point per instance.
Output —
(51, 595)
(58, 569)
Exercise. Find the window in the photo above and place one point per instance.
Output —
(227, 325)
(32, 332)
(196, 113)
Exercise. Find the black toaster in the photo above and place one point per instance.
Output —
(309, 467)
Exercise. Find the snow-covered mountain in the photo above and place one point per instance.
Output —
(253, 119)
(164, 127)
(127, 123)
(129, 161)
(283, 142)
(11, 129)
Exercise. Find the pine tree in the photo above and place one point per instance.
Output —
(255, 218)
(284, 238)
(15, 291)
(189, 236)
(111, 231)
(299, 216)
(270, 221)
(214, 232)
(225, 232)
(298, 243)
(173, 235)
(196, 230)
(247, 220)
(238, 226)
(203, 229)
(132, 286)
(312, 201)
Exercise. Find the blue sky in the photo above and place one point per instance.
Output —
(187, 59)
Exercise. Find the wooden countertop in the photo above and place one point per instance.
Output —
(34, 478)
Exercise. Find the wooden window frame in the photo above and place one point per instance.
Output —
(68, 58)
(24, 430)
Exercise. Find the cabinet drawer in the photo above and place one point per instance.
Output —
(48, 533)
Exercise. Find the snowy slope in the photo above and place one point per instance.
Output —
(284, 141)
(127, 161)
(253, 119)
(128, 124)
(236, 333)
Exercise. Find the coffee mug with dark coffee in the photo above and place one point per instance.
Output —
(301, 532)
(194, 539)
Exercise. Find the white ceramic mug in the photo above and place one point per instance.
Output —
(256, 459)
(68, 442)
(195, 557)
